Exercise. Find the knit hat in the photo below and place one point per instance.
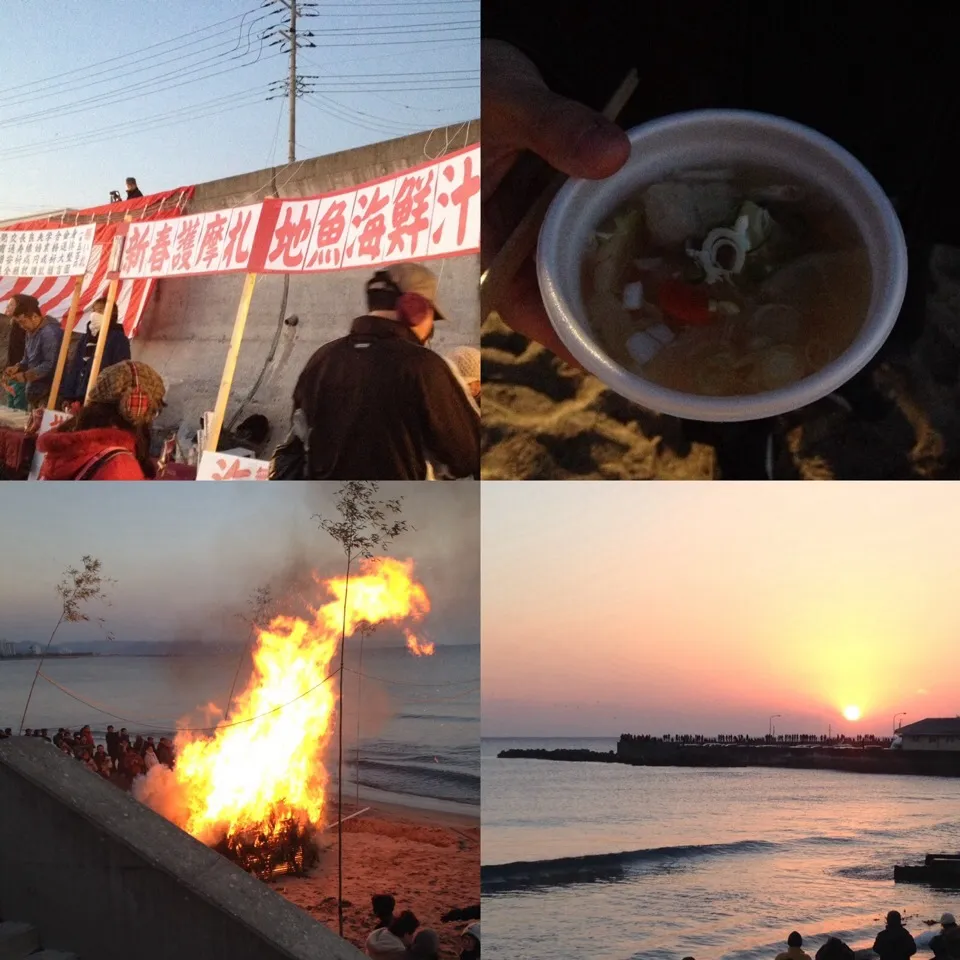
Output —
(473, 931)
(947, 919)
(467, 362)
(136, 389)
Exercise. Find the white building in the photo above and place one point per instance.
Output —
(934, 733)
(35, 649)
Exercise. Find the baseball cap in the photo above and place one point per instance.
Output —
(416, 278)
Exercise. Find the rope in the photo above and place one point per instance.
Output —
(407, 683)
(219, 726)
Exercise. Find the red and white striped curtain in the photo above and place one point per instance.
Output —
(54, 293)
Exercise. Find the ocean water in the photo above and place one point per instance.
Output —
(419, 723)
(677, 862)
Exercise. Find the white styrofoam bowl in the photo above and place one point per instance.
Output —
(713, 139)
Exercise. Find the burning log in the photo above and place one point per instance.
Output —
(283, 847)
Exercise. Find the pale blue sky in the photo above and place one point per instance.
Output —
(707, 608)
(173, 92)
(186, 556)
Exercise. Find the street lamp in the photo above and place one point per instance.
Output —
(903, 714)
(774, 717)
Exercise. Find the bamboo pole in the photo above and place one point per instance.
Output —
(230, 366)
(65, 343)
(520, 244)
(102, 335)
(112, 292)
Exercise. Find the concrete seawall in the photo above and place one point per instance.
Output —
(92, 868)
(186, 329)
(659, 754)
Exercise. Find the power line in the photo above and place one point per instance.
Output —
(147, 123)
(124, 56)
(124, 95)
(124, 72)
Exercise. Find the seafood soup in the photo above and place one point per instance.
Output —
(726, 282)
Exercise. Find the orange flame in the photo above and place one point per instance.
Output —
(419, 648)
(265, 764)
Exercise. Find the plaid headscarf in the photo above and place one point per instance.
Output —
(136, 389)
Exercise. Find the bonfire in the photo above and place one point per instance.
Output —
(255, 787)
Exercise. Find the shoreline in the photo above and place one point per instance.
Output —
(429, 860)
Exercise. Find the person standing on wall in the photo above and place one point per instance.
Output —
(116, 350)
(41, 349)
(377, 403)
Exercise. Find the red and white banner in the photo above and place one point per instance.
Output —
(217, 242)
(427, 212)
(62, 252)
(430, 211)
(54, 293)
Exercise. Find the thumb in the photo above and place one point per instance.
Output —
(571, 137)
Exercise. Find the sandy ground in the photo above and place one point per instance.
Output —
(430, 862)
(545, 421)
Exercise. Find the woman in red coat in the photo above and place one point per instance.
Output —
(109, 439)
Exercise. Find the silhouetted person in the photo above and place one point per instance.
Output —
(946, 943)
(794, 948)
(894, 941)
(113, 744)
(133, 191)
(383, 905)
(393, 941)
(425, 946)
(835, 949)
(470, 942)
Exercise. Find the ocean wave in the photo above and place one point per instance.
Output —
(447, 718)
(432, 771)
(602, 866)
(824, 841)
(865, 872)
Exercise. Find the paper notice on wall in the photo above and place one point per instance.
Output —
(227, 466)
(63, 252)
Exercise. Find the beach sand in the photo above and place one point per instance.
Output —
(545, 421)
(429, 861)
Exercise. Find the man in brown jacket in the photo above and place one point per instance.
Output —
(378, 403)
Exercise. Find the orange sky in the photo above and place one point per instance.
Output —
(672, 607)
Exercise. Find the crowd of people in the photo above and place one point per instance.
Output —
(376, 404)
(119, 758)
(893, 942)
(397, 936)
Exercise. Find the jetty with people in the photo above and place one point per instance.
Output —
(928, 748)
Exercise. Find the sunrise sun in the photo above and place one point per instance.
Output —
(851, 713)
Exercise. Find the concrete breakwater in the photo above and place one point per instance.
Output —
(658, 753)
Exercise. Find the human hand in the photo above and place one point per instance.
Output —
(521, 114)
(10, 372)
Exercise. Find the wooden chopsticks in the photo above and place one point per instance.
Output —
(520, 244)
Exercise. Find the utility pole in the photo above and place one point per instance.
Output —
(295, 85)
(292, 89)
